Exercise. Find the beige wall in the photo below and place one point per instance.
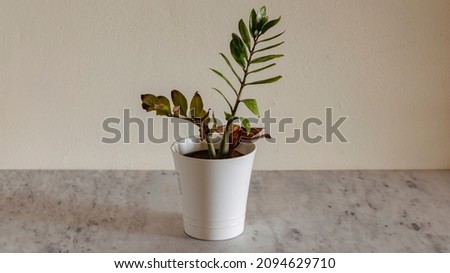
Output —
(65, 66)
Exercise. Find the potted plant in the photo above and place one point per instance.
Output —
(214, 168)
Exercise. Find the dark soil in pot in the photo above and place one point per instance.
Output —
(205, 154)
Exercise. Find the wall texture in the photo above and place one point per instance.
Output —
(65, 66)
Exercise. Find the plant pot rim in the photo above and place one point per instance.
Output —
(178, 142)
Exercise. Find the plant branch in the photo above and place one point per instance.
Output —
(224, 148)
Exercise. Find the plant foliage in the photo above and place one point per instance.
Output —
(247, 50)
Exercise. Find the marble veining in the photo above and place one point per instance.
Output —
(288, 211)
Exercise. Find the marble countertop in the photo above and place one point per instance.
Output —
(288, 211)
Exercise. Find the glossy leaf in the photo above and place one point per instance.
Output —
(270, 80)
(266, 58)
(262, 12)
(225, 79)
(251, 105)
(262, 18)
(269, 25)
(244, 33)
(252, 22)
(231, 67)
(163, 106)
(262, 68)
(238, 50)
(269, 47)
(148, 102)
(179, 100)
(159, 104)
(196, 106)
(246, 124)
(271, 38)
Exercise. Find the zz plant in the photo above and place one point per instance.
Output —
(246, 50)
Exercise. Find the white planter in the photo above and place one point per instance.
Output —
(213, 192)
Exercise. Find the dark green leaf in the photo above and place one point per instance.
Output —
(266, 58)
(262, 18)
(271, 38)
(269, 47)
(251, 105)
(228, 116)
(196, 107)
(231, 67)
(238, 50)
(263, 12)
(252, 22)
(148, 102)
(220, 92)
(262, 68)
(225, 79)
(270, 80)
(159, 104)
(246, 124)
(179, 100)
(244, 33)
(163, 106)
(269, 25)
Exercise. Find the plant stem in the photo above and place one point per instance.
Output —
(211, 149)
(224, 145)
(246, 70)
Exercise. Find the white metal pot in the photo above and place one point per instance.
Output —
(213, 191)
